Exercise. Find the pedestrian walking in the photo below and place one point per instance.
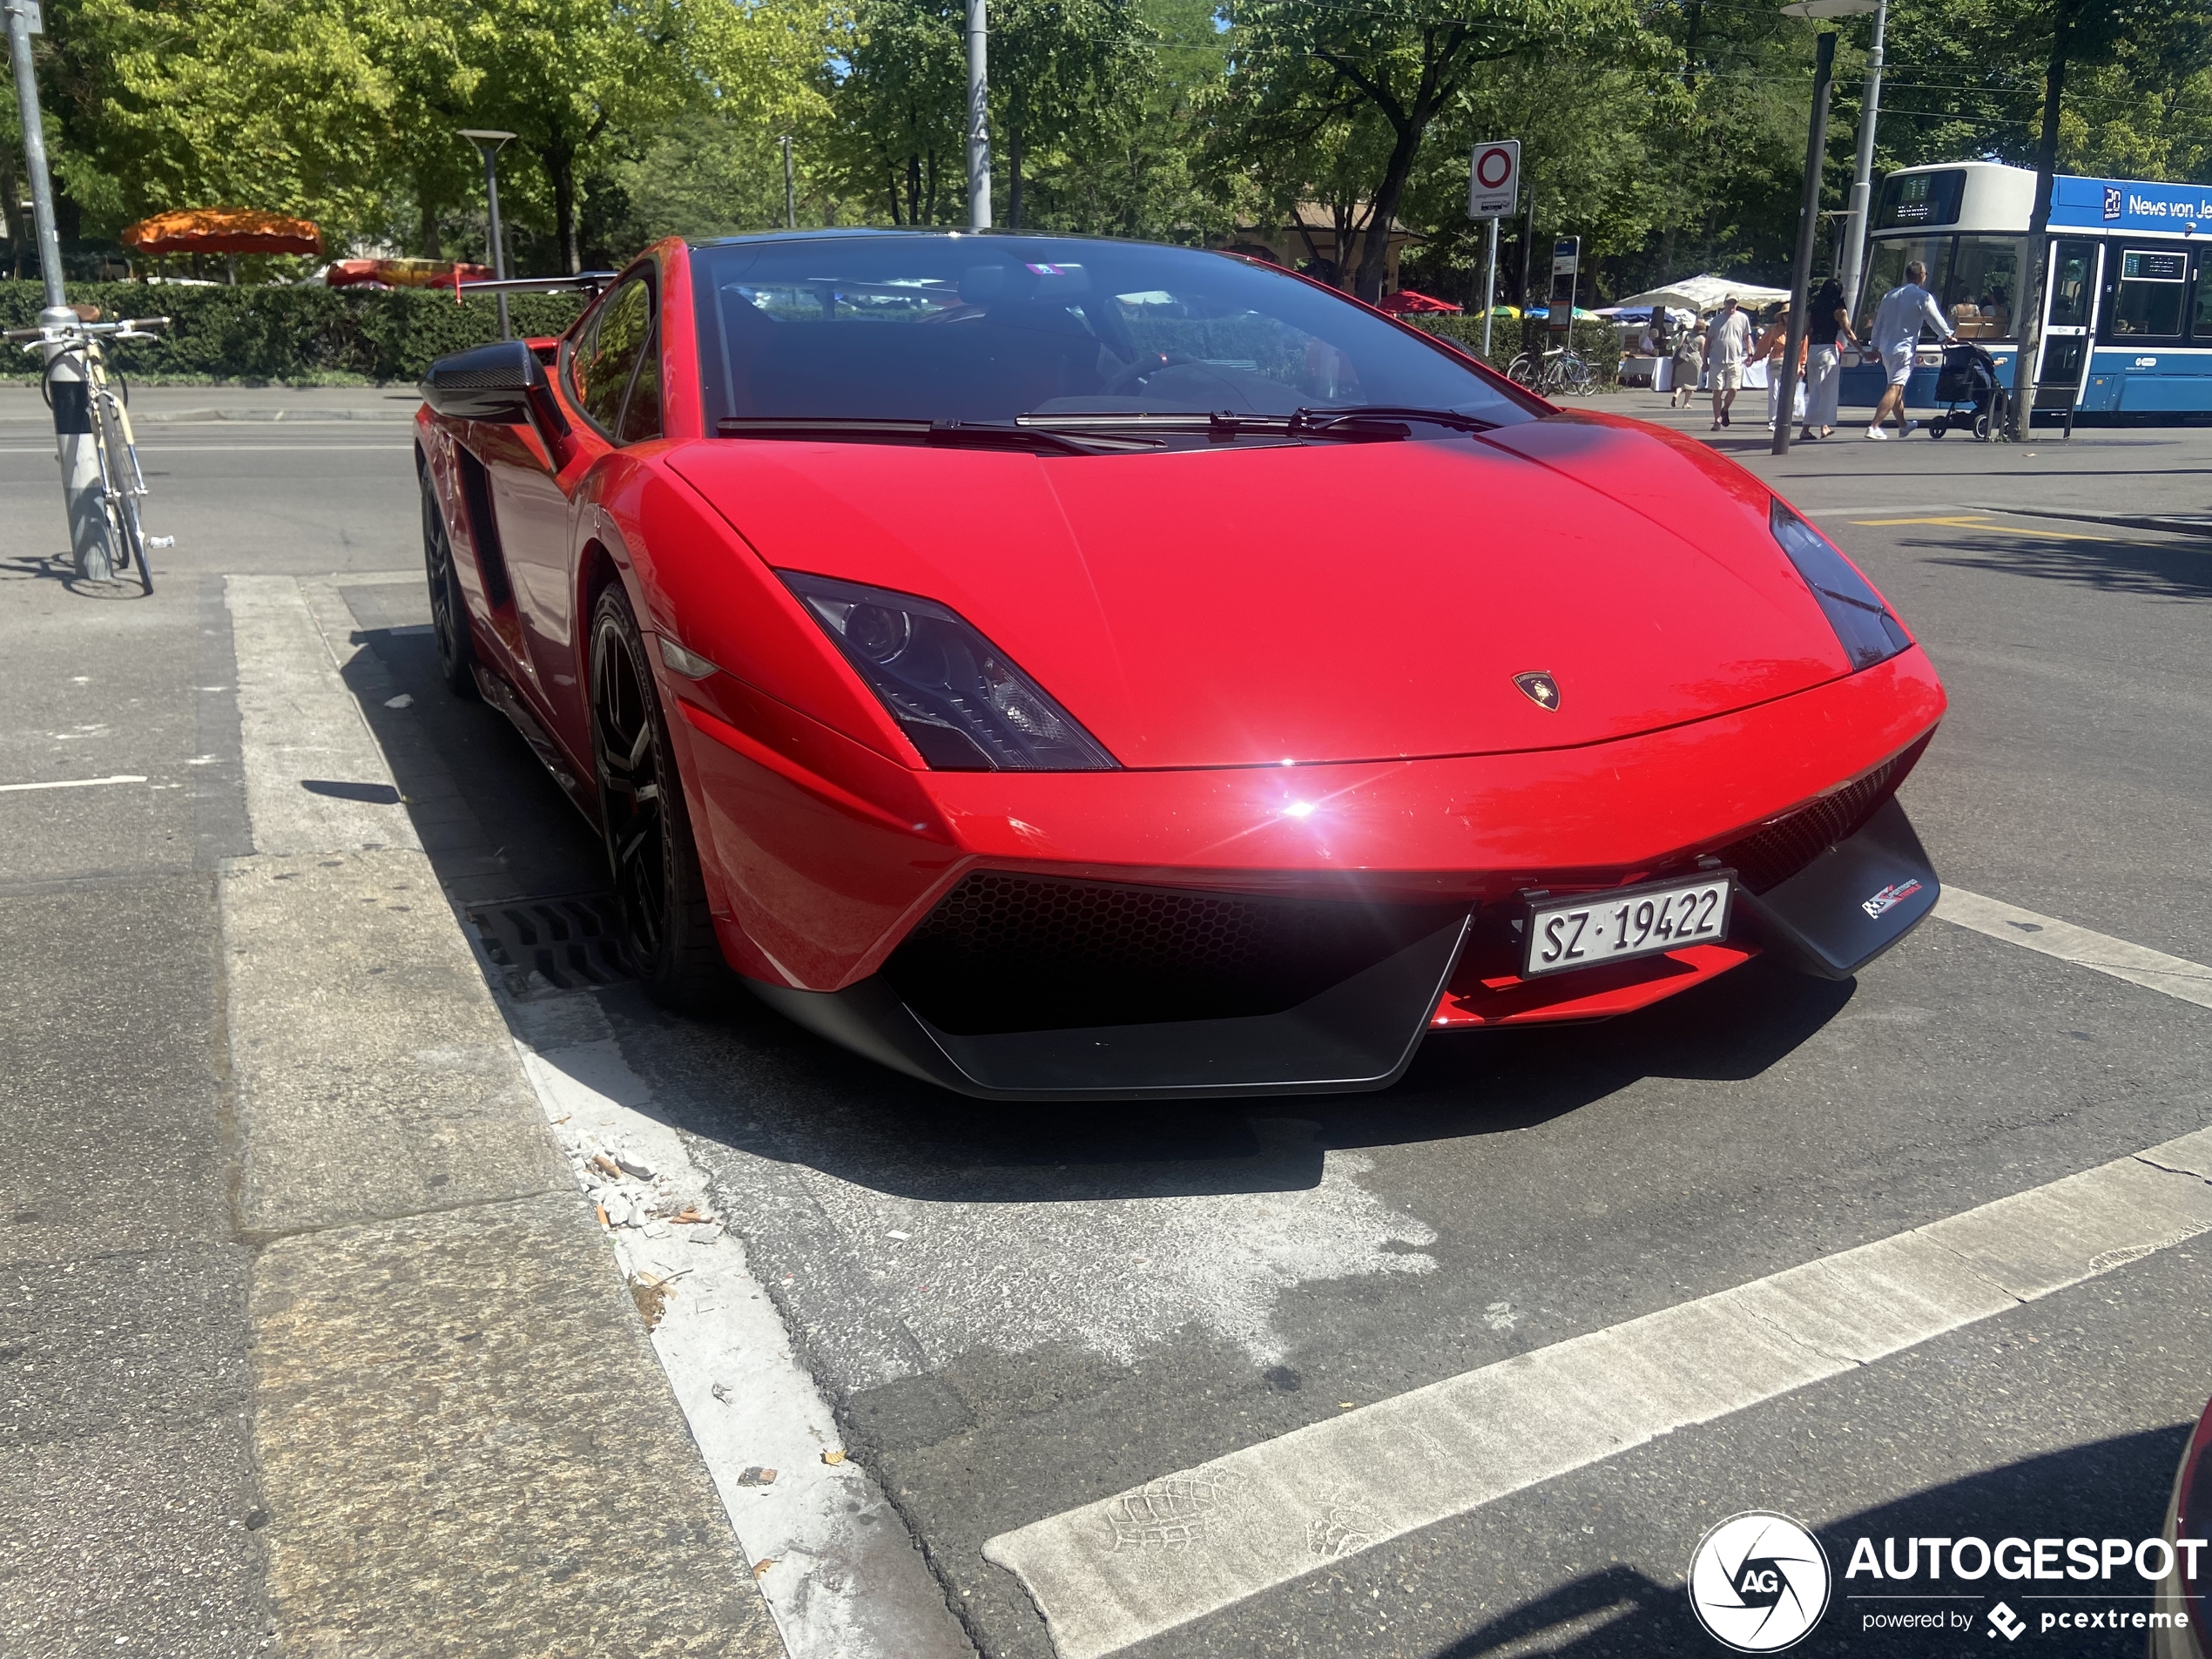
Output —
(1781, 385)
(1828, 326)
(1896, 335)
(1690, 363)
(1728, 346)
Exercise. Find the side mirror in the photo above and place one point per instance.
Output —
(503, 384)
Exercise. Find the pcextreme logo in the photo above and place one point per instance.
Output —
(1759, 1582)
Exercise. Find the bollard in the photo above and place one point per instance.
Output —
(82, 490)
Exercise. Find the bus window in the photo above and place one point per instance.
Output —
(1978, 294)
(1886, 270)
(2073, 266)
(2200, 324)
(2153, 284)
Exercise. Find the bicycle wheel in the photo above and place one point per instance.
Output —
(1521, 372)
(127, 536)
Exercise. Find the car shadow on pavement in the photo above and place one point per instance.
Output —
(748, 1079)
(496, 828)
(2112, 1488)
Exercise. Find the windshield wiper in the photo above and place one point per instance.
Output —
(1322, 421)
(1380, 423)
(964, 435)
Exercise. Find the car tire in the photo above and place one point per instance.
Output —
(667, 931)
(449, 611)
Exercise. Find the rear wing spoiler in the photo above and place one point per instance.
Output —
(583, 281)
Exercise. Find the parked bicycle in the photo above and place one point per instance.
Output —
(1560, 371)
(107, 399)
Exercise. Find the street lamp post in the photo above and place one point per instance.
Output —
(979, 125)
(488, 142)
(1809, 209)
(80, 464)
(1863, 178)
(791, 193)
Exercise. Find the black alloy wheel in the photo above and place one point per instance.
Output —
(667, 931)
(449, 611)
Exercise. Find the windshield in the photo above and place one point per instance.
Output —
(992, 328)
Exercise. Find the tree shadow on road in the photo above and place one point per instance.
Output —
(2112, 1488)
(2174, 571)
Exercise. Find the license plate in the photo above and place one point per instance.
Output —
(1620, 926)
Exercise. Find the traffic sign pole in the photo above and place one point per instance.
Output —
(1493, 190)
(1489, 289)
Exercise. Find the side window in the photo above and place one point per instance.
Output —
(2074, 267)
(2201, 323)
(601, 368)
(640, 414)
(2153, 285)
(577, 351)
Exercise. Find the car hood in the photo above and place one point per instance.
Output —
(1264, 604)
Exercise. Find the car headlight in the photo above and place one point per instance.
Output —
(954, 693)
(1868, 633)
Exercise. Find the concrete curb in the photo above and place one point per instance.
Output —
(466, 1446)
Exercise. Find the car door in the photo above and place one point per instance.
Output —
(533, 495)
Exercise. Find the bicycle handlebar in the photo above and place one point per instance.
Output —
(127, 328)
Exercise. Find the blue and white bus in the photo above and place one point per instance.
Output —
(2128, 316)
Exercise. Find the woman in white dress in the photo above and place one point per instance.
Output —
(1828, 326)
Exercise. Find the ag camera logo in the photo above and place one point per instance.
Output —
(1759, 1582)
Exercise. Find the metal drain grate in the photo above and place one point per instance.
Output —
(566, 944)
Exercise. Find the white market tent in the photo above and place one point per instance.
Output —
(1702, 293)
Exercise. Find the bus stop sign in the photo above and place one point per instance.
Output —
(1494, 185)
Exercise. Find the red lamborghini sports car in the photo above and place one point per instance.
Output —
(1060, 668)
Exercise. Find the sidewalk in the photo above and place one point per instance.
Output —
(161, 405)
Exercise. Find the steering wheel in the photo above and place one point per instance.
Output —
(1147, 365)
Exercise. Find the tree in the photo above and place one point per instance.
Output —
(1055, 65)
(899, 105)
(1303, 67)
(202, 102)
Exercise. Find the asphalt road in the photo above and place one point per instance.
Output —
(1017, 1312)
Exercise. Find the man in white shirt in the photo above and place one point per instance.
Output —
(1896, 334)
(1728, 346)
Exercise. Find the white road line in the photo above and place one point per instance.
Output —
(1115, 1572)
(2137, 964)
(847, 1581)
(77, 783)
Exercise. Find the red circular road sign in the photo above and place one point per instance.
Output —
(1492, 167)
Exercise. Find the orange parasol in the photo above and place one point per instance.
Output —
(222, 229)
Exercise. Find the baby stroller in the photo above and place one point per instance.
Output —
(1969, 377)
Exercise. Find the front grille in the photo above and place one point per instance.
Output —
(1005, 952)
(1769, 857)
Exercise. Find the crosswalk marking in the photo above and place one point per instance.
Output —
(1128, 1566)
(2137, 964)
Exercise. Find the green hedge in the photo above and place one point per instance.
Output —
(286, 335)
(263, 335)
(1597, 341)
